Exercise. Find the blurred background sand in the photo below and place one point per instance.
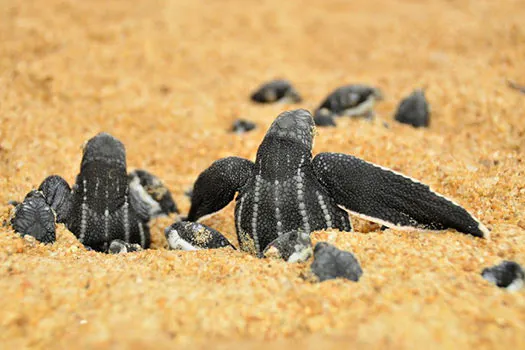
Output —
(169, 77)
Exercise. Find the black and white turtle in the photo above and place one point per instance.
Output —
(240, 126)
(331, 262)
(351, 100)
(35, 217)
(185, 235)
(508, 274)
(293, 246)
(285, 190)
(414, 110)
(279, 90)
(103, 205)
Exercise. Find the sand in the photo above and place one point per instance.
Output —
(169, 77)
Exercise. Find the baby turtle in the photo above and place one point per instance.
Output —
(324, 117)
(118, 246)
(240, 126)
(414, 110)
(185, 235)
(330, 262)
(151, 193)
(351, 100)
(102, 206)
(293, 246)
(508, 275)
(285, 190)
(35, 217)
(279, 90)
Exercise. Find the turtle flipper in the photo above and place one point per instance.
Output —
(34, 217)
(149, 196)
(185, 235)
(216, 186)
(383, 196)
(57, 193)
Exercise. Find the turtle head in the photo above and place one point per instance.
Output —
(104, 148)
(296, 126)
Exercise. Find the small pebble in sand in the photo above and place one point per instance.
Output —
(508, 275)
(330, 262)
(186, 235)
(414, 110)
(240, 126)
(352, 100)
(35, 217)
(293, 246)
(323, 117)
(118, 246)
(279, 90)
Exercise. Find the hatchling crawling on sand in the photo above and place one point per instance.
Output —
(354, 100)
(279, 90)
(286, 190)
(104, 205)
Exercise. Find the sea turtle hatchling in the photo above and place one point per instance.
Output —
(105, 204)
(356, 100)
(286, 190)
(279, 90)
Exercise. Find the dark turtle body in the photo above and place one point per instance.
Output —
(101, 207)
(286, 190)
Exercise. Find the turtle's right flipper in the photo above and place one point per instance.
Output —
(34, 217)
(216, 186)
(58, 196)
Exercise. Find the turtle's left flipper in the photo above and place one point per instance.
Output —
(57, 193)
(386, 197)
(216, 186)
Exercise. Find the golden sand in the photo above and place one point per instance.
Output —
(168, 77)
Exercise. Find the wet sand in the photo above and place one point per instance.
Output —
(169, 77)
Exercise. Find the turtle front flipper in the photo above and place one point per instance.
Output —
(386, 197)
(216, 186)
(34, 217)
(149, 196)
(185, 235)
(57, 193)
